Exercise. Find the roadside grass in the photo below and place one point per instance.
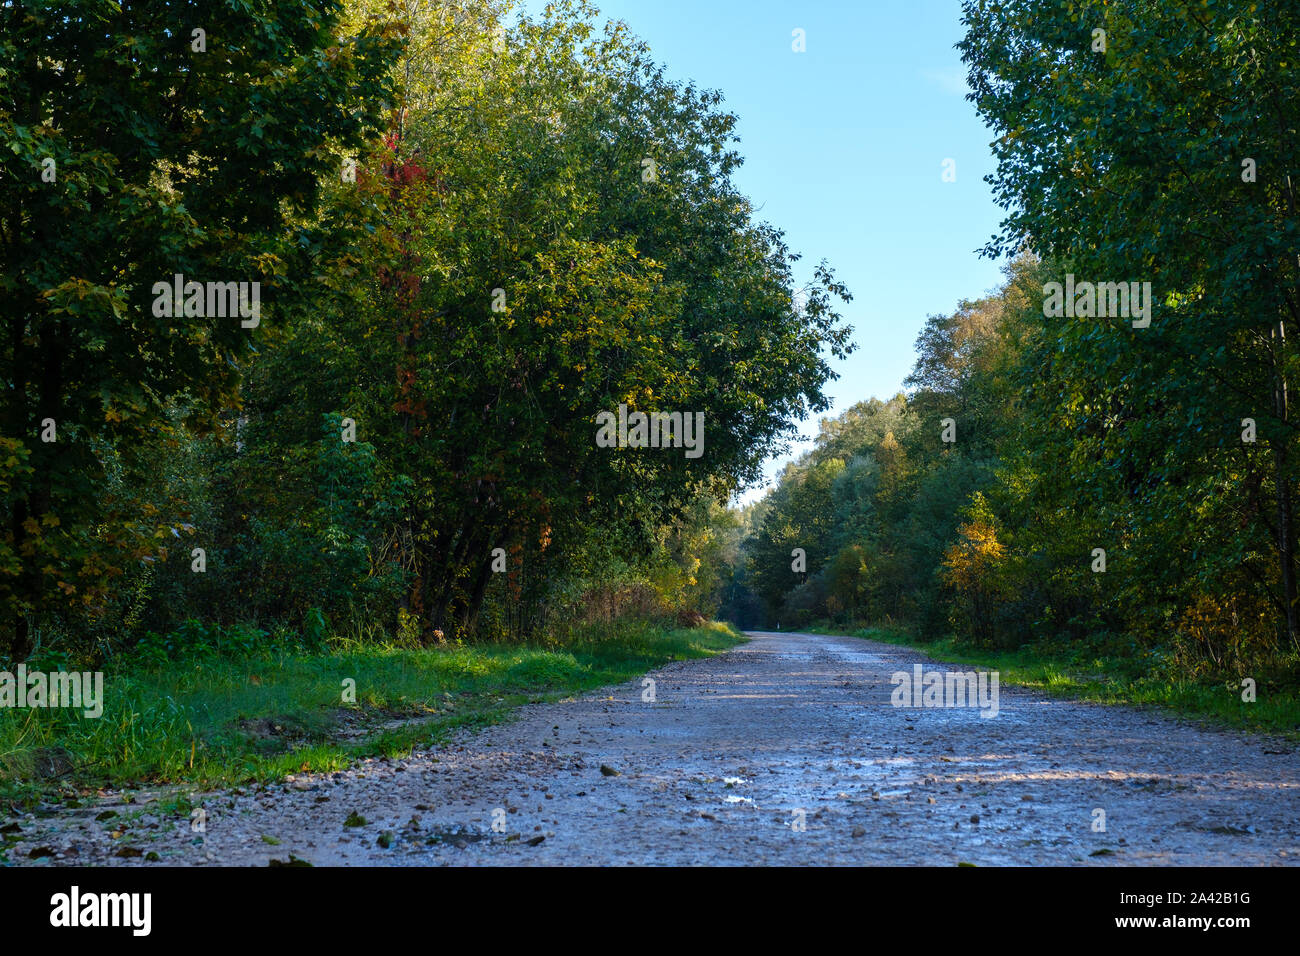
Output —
(223, 721)
(1092, 673)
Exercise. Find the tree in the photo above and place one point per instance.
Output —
(139, 141)
(1155, 143)
(525, 272)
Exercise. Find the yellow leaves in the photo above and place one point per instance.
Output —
(74, 286)
(269, 264)
(49, 520)
(969, 562)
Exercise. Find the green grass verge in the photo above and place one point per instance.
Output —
(1087, 673)
(222, 722)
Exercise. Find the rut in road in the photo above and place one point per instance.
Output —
(785, 750)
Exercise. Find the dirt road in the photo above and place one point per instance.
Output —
(786, 750)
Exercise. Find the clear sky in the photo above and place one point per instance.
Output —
(844, 147)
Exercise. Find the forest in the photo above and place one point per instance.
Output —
(419, 259)
(1087, 475)
(465, 243)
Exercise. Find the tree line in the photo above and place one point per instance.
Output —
(1084, 474)
(470, 236)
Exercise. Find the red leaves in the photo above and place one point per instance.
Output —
(402, 172)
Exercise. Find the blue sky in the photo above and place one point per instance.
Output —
(844, 147)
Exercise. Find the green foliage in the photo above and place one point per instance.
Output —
(1129, 164)
(165, 160)
(504, 273)
(1120, 159)
(206, 716)
(359, 462)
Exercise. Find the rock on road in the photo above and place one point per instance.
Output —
(785, 750)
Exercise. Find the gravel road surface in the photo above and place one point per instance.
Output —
(786, 750)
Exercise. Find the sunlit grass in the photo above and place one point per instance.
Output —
(1084, 673)
(214, 721)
